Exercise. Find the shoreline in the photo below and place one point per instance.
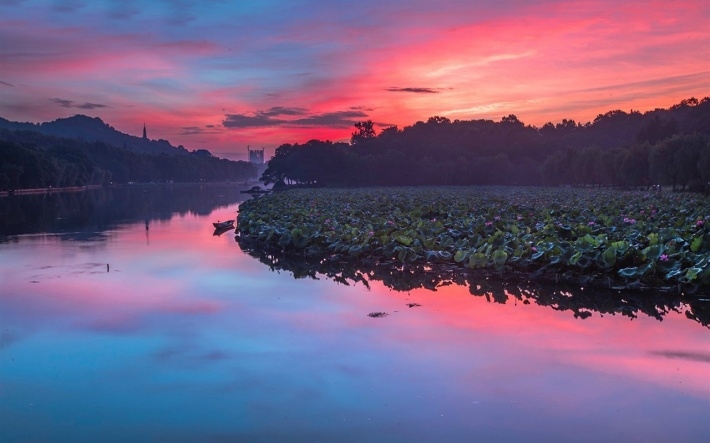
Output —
(39, 191)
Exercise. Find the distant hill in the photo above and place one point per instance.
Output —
(80, 150)
(93, 129)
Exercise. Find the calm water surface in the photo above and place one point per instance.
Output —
(188, 339)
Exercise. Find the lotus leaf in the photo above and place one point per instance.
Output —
(406, 241)
(609, 257)
(574, 231)
(696, 243)
(460, 256)
(499, 257)
(477, 260)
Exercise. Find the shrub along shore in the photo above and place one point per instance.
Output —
(592, 237)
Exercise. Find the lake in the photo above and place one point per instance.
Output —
(123, 318)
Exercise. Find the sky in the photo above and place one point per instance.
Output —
(223, 75)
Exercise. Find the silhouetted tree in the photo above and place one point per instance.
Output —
(363, 131)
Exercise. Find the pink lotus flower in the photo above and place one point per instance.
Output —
(488, 223)
(663, 257)
(699, 223)
(534, 249)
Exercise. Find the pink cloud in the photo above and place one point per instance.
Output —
(542, 61)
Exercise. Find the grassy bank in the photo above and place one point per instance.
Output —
(631, 240)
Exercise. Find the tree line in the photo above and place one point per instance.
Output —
(664, 146)
(32, 160)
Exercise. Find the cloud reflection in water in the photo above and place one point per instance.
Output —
(188, 339)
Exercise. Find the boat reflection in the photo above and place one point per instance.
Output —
(581, 302)
(88, 215)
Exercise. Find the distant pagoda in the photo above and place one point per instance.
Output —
(256, 155)
(145, 134)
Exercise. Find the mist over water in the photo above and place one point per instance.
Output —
(123, 318)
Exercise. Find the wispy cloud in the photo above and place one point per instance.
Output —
(415, 90)
(197, 130)
(6, 84)
(249, 121)
(685, 355)
(70, 104)
(337, 119)
(68, 6)
(281, 110)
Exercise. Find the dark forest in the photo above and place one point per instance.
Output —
(628, 149)
(29, 159)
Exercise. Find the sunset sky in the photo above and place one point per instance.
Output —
(223, 74)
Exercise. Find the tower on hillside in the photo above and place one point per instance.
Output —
(145, 134)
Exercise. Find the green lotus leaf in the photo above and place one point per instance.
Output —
(586, 243)
(461, 243)
(620, 247)
(674, 271)
(403, 239)
(407, 255)
(574, 259)
(609, 257)
(629, 273)
(692, 273)
(537, 255)
(460, 256)
(445, 255)
(499, 257)
(445, 241)
(653, 252)
(696, 243)
(477, 260)
(702, 261)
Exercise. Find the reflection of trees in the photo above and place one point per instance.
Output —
(87, 214)
(561, 297)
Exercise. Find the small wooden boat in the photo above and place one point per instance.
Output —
(228, 224)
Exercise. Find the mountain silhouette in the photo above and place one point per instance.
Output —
(93, 129)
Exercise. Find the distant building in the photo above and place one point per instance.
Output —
(145, 134)
(256, 156)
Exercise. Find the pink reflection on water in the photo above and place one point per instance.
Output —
(181, 304)
(673, 353)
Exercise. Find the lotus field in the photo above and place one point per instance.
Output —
(631, 240)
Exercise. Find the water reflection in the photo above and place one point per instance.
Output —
(187, 339)
(87, 215)
(581, 302)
